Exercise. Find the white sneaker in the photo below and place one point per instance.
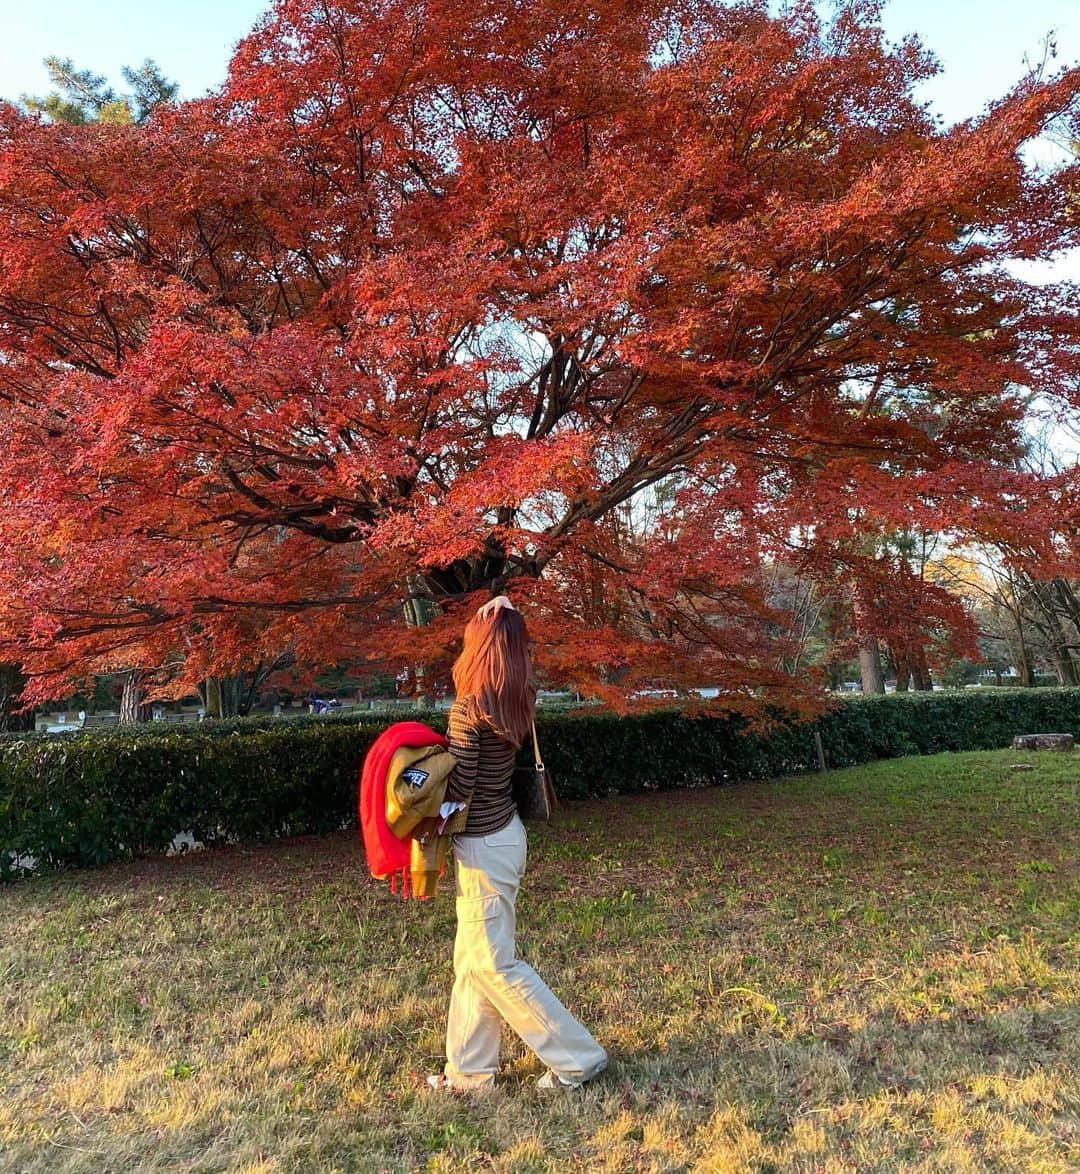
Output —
(551, 1079)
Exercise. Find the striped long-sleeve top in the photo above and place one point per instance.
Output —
(482, 774)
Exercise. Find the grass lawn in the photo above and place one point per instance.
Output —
(874, 969)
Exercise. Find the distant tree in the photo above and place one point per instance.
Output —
(1026, 620)
(80, 96)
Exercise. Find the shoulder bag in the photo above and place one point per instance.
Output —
(532, 789)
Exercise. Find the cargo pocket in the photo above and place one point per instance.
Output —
(510, 843)
(504, 837)
(487, 937)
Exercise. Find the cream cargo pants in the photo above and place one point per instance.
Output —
(491, 982)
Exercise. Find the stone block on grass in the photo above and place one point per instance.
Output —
(1043, 742)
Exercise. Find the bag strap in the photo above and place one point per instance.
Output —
(536, 749)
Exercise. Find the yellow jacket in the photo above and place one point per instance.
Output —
(415, 792)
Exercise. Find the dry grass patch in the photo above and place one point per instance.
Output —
(874, 969)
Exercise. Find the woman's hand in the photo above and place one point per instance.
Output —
(493, 605)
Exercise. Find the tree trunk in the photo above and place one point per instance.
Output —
(873, 678)
(870, 669)
(233, 694)
(1068, 603)
(12, 681)
(231, 689)
(221, 696)
(920, 671)
(210, 693)
(1067, 615)
(1064, 665)
(1024, 666)
(420, 610)
(246, 690)
(1047, 599)
(902, 664)
(132, 707)
(1023, 659)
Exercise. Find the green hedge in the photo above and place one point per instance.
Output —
(599, 753)
(87, 799)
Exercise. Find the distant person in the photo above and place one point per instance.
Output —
(490, 717)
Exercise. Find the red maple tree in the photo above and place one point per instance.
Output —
(596, 303)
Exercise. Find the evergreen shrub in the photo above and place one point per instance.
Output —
(87, 799)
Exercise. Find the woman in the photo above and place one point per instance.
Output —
(492, 714)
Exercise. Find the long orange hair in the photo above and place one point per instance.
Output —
(494, 674)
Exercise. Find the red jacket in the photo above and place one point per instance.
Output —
(386, 854)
